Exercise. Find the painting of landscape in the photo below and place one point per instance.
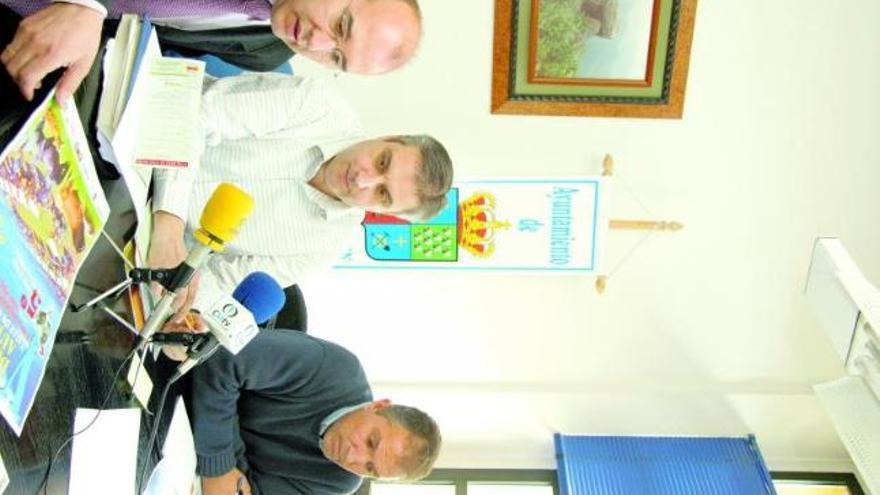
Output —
(593, 39)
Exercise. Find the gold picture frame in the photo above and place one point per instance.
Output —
(632, 57)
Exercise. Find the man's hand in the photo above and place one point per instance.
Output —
(226, 484)
(192, 323)
(167, 251)
(60, 35)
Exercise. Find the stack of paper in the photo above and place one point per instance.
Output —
(104, 457)
(124, 53)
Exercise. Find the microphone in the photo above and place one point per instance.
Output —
(233, 321)
(223, 214)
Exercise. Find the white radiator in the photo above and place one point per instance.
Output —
(855, 413)
(847, 306)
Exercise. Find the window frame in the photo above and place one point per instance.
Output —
(848, 480)
(459, 478)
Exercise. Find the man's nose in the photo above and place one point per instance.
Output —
(320, 41)
(366, 180)
(355, 459)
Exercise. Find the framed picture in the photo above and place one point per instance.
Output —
(610, 58)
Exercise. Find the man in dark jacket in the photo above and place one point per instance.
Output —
(360, 36)
(293, 414)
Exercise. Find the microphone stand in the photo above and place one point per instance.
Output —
(198, 351)
(135, 276)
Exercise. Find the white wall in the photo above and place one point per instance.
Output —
(702, 332)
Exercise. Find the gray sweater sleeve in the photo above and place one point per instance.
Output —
(275, 362)
(268, 484)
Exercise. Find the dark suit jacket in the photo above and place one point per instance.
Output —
(252, 48)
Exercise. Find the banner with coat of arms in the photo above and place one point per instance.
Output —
(544, 225)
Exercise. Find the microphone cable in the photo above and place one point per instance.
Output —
(44, 483)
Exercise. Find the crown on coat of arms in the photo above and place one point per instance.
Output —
(478, 225)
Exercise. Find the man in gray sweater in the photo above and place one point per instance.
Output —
(293, 414)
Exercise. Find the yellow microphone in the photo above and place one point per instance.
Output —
(222, 215)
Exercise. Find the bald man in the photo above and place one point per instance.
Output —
(359, 36)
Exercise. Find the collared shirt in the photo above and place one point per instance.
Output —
(336, 415)
(268, 134)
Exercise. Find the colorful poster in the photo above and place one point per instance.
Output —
(547, 225)
(52, 210)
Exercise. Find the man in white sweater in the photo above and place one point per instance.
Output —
(295, 145)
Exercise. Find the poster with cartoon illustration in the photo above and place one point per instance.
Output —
(546, 225)
(52, 210)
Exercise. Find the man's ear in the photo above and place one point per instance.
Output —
(378, 405)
